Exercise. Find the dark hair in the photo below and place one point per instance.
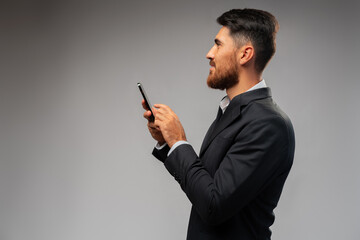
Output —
(257, 26)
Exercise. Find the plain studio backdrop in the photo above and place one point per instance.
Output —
(75, 154)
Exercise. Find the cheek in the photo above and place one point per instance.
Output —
(222, 58)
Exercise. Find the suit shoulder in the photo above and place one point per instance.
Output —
(266, 108)
(267, 111)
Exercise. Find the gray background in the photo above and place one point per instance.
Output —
(75, 158)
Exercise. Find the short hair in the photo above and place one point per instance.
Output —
(257, 26)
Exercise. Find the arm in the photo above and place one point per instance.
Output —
(252, 162)
(258, 154)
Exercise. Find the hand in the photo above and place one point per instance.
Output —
(154, 131)
(169, 124)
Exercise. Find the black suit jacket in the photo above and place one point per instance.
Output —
(236, 181)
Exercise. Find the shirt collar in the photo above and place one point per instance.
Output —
(224, 103)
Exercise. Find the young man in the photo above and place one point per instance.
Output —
(236, 181)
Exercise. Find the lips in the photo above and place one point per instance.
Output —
(212, 64)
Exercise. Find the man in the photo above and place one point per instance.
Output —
(236, 181)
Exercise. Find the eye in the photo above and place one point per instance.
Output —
(217, 43)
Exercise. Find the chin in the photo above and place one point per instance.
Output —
(209, 82)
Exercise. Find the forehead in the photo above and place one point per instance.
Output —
(224, 35)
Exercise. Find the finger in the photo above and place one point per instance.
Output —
(144, 105)
(164, 111)
(151, 126)
(159, 113)
(165, 115)
(147, 115)
(162, 106)
(154, 110)
(160, 116)
(158, 124)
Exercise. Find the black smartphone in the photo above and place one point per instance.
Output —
(147, 102)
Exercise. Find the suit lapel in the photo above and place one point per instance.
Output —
(228, 117)
(210, 130)
(232, 113)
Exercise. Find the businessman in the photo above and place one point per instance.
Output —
(236, 181)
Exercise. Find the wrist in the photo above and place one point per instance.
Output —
(172, 143)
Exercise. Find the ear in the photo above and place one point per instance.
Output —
(246, 53)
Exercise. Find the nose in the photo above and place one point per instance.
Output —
(210, 54)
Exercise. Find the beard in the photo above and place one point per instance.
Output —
(225, 77)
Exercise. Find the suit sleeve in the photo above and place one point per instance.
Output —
(162, 153)
(252, 161)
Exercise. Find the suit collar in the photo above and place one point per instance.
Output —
(233, 112)
(246, 97)
(241, 100)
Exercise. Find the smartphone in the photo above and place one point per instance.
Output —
(147, 102)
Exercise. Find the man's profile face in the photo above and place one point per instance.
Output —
(224, 68)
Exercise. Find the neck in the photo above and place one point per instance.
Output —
(246, 81)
